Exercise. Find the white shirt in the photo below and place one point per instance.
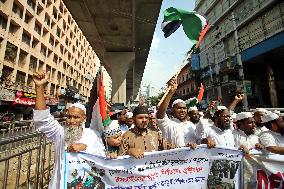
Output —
(123, 128)
(247, 140)
(260, 130)
(46, 124)
(176, 132)
(221, 138)
(270, 138)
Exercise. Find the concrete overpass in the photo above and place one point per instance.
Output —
(120, 32)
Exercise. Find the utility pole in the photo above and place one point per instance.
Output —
(239, 61)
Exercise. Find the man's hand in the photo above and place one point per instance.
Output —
(40, 78)
(112, 155)
(136, 153)
(210, 143)
(259, 146)
(244, 149)
(172, 84)
(192, 145)
(239, 97)
(77, 147)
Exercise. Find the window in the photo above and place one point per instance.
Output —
(17, 10)
(32, 4)
(47, 20)
(3, 22)
(33, 64)
(37, 28)
(58, 32)
(22, 58)
(55, 59)
(35, 42)
(183, 91)
(52, 89)
(40, 65)
(20, 77)
(10, 52)
(27, 18)
(51, 40)
(43, 50)
(39, 10)
(26, 38)
(13, 27)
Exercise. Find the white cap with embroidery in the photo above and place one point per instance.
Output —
(244, 115)
(178, 101)
(194, 108)
(262, 110)
(269, 116)
(79, 105)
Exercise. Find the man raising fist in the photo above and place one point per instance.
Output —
(73, 137)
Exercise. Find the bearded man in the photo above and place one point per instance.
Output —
(73, 137)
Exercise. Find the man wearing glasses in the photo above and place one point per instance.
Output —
(218, 134)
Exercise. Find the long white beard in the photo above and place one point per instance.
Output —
(72, 134)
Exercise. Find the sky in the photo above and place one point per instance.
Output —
(166, 54)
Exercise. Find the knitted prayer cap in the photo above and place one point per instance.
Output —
(140, 110)
(112, 129)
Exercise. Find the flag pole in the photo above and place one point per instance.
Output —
(175, 77)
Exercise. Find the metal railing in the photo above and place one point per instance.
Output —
(26, 161)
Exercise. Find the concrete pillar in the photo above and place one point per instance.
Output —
(119, 63)
(272, 87)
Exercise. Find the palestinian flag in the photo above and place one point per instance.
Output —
(100, 118)
(194, 25)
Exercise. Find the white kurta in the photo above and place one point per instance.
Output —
(247, 140)
(221, 138)
(260, 130)
(270, 138)
(46, 124)
(177, 132)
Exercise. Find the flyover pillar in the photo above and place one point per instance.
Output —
(119, 63)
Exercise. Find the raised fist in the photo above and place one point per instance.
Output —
(40, 78)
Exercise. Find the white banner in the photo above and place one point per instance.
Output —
(178, 168)
(264, 171)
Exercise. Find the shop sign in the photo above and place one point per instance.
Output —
(24, 101)
(22, 94)
(7, 95)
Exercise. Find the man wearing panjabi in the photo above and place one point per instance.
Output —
(73, 137)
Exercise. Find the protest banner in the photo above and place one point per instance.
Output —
(263, 171)
(178, 168)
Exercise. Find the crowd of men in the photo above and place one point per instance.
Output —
(136, 132)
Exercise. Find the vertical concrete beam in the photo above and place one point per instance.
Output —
(272, 87)
(119, 63)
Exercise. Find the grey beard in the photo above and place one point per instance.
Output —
(72, 134)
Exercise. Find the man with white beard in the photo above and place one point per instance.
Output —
(73, 137)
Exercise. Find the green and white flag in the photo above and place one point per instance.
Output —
(194, 25)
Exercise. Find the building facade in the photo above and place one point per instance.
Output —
(107, 85)
(187, 83)
(243, 50)
(42, 35)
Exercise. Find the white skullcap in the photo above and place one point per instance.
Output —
(262, 110)
(277, 112)
(243, 115)
(221, 108)
(234, 116)
(269, 116)
(194, 108)
(112, 129)
(129, 115)
(201, 114)
(79, 105)
(178, 101)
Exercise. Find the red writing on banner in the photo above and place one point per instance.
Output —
(272, 181)
(186, 170)
(150, 177)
